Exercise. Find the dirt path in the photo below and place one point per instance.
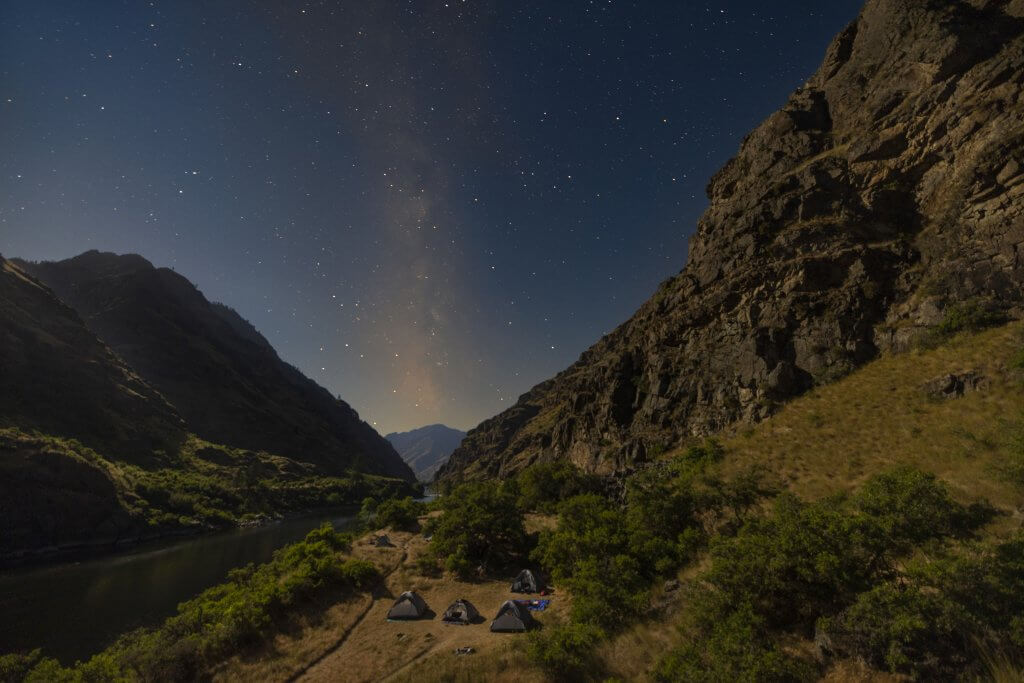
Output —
(408, 665)
(379, 591)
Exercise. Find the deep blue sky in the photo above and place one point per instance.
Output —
(426, 206)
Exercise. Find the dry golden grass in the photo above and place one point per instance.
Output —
(837, 435)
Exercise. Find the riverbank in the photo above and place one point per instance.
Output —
(73, 609)
(110, 547)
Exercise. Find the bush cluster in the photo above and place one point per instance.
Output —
(541, 487)
(967, 316)
(837, 570)
(480, 530)
(607, 554)
(400, 514)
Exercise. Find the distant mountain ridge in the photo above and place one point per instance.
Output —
(426, 449)
(221, 374)
(885, 199)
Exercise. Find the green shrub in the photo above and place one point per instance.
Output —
(566, 650)
(939, 619)
(589, 527)
(900, 628)
(15, 667)
(968, 316)
(805, 560)
(608, 591)
(736, 647)
(543, 486)
(400, 514)
(480, 528)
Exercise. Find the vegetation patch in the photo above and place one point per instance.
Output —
(969, 316)
(845, 570)
(400, 514)
(480, 530)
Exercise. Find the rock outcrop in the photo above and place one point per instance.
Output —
(888, 188)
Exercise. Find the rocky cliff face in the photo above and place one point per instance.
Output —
(224, 378)
(888, 189)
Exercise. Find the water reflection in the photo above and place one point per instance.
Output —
(73, 610)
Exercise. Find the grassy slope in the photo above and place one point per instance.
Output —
(832, 439)
(835, 436)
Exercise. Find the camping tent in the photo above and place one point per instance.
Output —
(460, 612)
(409, 605)
(528, 581)
(382, 542)
(512, 618)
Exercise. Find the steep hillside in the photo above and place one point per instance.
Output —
(57, 377)
(93, 455)
(884, 200)
(226, 380)
(427, 448)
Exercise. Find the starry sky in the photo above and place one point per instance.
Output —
(428, 206)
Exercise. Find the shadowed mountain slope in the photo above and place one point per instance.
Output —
(228, 383)
(57, 377)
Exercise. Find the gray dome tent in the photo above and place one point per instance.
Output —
(512, 618)
(528, 581)
(409, 605)
(460, 612)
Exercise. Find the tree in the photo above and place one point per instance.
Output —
(480, 528)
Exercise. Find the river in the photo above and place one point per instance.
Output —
(73, 610)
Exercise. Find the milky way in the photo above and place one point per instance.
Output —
(426, 206)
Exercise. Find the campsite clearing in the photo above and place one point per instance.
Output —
(354, 641)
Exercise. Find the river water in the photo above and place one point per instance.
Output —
(73, 610)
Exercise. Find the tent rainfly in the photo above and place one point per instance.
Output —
(528, 581)
(512, 618)
(460, 612)
(409, 605)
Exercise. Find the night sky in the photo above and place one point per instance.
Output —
(426, 206)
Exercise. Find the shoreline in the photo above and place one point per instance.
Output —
(90, 549)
